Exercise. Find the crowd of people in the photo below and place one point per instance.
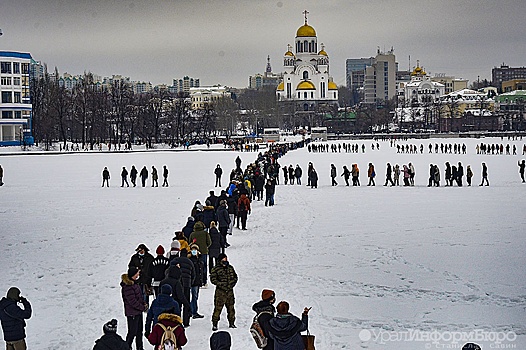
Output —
(133, 173)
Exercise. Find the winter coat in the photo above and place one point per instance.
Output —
(198, 267)
(200, 237)
(131, 296)
(188, 228)
(105, 174)
(158, 268)
(12, 317)
(313, 177)
(168, 320)
(213, 201)
(333, 171)
(187, 270)
(270, 188)
(111, 341)
(243, 203)
(144, 173)
(154, 174)
(285, 330)
(161, 304)
(217, 242)
(298, 172)
(209, 215)
(218, 171)
(266, 312)
(232, 203)
(124, 173)
(406, 172)
(220, 341)
(173, 278)
(370, 171)
(133, 173)
(222, 217)
(224, 277)
(260, 183)
(143, 263)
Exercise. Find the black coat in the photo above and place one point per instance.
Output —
(220, 341)
(173, 278)
(198, 267)
(218, 242)
(13, 319)
(143, 263)
(232, 204)
(266, 312)
(223, 218)
(187, 270)
(158, 268)
(209, 215)
(260, 183)
(111, 341)
(285, 330)
(188, 228)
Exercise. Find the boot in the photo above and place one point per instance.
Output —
(214, 327)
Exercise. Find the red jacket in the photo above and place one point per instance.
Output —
(244, 199)
(168, 320)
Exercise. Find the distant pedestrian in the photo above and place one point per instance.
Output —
(13, 319)
(484, 174)
(371, 174)
(460, 174)
(388, 175)
(396, 175)
(124, 177)
(144, 175)
(297, 173)
(133, 175)
(346, 175)
(106, 177)
(1, 176)
(469, 174)
(313, 176)
(333, 175)
(110, 339)
(218, 172)
(522, 165)
(165, 176)
(411, 174)
(155, 177)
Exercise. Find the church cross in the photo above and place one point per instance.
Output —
(305, 13)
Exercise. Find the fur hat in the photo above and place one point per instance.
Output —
(221, 256)
(142, 247)
(199, 226)
(282, 308)
(13, 293)
(132, 271)
(194, 246)
(159, 250)
(267, 294)
(110, 327)
(213, 224)
(166, 289)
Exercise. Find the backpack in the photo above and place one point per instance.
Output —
(168, 340)
(257, 331)
(242, 206)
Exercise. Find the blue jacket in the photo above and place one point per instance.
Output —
(162, 303)
(13, 318)
(285, 330)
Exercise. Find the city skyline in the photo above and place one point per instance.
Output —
(224, 42)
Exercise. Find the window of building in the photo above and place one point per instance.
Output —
(299, 94)
(25, 68)
(16, 81)
(16, 68)
(18, 114)
(5, 67)
(305, 95)
(7, 97)
(305, 107)
(17, 97)
(5, 81)
(7, 114)
(322, 89)
(312, 94)
(305, 75)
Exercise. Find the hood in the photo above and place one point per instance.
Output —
(199, 226)
(263, 305)
(4, 302)
(174, 272)
(209, 207)
(285, 325)
(125, 280)
(170, 318)
(220, 341)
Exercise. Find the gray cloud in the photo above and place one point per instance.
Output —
(225, 41)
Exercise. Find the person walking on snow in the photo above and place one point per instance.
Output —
(13, 317)
(371, 174)
(243, 207)
(218, 173)
(346, 175)
(124, 177)
(224, 277)
(165, 176)
(144, 175)
(522, 165)
(133, 175)
(106, 177)
(484, 175)
(333, 175)
(388, 175)
(155, 177)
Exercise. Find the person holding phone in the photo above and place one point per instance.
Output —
(285, 328)
(13, 317)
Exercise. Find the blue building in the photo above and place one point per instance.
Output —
(15, 99)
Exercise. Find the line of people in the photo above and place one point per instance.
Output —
(133, 173)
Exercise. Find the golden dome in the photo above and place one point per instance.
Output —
(281, 86)
(305, 85)
(289, 53)
(332, 85)
(305, 30)
(322, 52)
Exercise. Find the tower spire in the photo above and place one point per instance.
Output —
(269, 68)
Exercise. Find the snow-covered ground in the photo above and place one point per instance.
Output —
(373, 262)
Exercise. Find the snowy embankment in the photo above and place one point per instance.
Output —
(378, 258)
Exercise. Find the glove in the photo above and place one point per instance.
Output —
(22, 299)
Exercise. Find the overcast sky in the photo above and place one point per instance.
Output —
(225, 41)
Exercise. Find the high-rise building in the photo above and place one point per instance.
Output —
(373, 79)
(183, 85)
(15, 99)
(306, 81)
(268, 78)
(505, 73)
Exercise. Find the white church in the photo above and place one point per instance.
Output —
(306, 80)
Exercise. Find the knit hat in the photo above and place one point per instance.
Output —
(175, 245)
(191, 218)
(13, 293)
(199, 226)
(282, 308)
(132, 271)
(267, 294)
(142, 247)
(221, 256)
(159, 250)
(110, 327)
(166, 289)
